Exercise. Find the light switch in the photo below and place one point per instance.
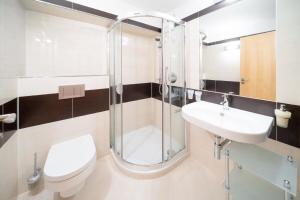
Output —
(71, 91)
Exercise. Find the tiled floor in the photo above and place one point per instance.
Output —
(144, 146)
(191, 180)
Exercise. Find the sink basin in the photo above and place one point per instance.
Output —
(233, 124)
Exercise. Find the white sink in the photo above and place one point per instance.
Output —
(233, 124)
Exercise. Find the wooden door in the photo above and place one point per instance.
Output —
(258, 66)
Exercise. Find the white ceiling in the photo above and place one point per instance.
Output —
(157, 5)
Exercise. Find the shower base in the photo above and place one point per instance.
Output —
(142, 152)
(144, 146)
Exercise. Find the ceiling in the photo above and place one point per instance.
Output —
(157, 5)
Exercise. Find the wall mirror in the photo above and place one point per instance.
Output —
(238, 49)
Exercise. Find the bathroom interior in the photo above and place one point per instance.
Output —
(149, 100)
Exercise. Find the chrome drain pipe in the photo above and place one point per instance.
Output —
(218, 146)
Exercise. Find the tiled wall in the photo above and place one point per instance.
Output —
(45, 120)
(57, 46)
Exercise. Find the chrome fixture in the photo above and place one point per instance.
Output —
(218, 146)
(36, 176)
(203, 36)
(201, 74)
(225, 102)
(159, 44)
(172, 77)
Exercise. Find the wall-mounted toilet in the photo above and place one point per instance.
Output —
(69, 164)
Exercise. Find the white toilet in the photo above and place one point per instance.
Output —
(69, 164)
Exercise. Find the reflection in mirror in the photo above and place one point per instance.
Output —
(238, 49)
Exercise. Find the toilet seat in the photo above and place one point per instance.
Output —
(69, 159)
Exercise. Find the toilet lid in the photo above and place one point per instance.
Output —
(69, 158)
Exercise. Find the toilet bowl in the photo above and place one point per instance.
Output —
(69, 164)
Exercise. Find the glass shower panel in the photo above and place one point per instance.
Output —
(116, 89)
(174, 98)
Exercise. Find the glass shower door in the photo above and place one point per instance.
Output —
(116, 88)
(174, 89)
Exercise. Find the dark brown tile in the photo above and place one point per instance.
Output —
(1, 112)
(63, 3)
(93, 11)
(5, 137)
(94, 101)
(212, 97)
(177, 94)
(291, 135)
(208, 10)
(254, 105)
(228, 86)
(41, 109)
(11, 107)
(156, 91)
(135, 92)
(210, 85)
(191, 17)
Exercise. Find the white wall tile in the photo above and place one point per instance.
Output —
(12, 34)
(57, 46)
(192, 54)
(287, 52)
(138, 58)
(9, 169)
(37, 86)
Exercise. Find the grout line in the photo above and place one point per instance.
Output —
(72, 107)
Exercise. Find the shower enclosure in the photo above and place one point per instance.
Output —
(160, 141)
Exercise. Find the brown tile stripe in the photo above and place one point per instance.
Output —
(1, 112)
(135, 92)
(209, 9)
(222, 86)
(40, 109)
(93, 11)
(93, 101)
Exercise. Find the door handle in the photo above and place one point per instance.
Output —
(243, 80)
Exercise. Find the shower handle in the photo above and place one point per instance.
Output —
(119, 88)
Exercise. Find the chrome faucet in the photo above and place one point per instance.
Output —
(225, 102)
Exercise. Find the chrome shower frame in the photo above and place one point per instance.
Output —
(152, 170)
